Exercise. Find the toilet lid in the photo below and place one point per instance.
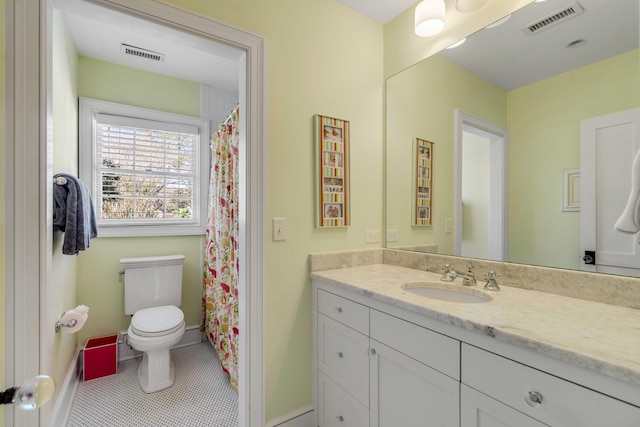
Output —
(156, 321)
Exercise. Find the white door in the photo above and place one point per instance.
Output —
(608, 146)
(480, 157)
(406, 393)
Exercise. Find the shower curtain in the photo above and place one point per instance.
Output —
(220, 285)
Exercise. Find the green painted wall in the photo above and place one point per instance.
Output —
(320, 57)
(98, 267)
(65, 159)
(420, 104)
(111, 82)
(544, 132)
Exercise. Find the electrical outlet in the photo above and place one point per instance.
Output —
(392, 235)
(279, 229)
(372, 236)
(448, 226)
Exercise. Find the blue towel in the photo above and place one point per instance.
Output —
(73, 214)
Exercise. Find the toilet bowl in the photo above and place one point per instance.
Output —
(154, 331)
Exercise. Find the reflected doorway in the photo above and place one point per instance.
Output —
(481, 208)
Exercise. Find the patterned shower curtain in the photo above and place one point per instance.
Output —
(220, 284)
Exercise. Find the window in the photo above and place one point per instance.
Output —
(147, 170)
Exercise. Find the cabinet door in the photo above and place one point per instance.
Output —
(406, 393)
(479, 410)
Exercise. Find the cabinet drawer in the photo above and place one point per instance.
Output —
(431, 348)
(479, 410)
(347, 312)
(343, 354)
(337, 408)
(561, 403)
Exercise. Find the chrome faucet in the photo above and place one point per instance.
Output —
(492, 284)
(449, 274)
(469, 278)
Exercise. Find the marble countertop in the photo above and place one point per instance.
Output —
(600, 337)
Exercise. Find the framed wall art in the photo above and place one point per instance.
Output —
(332, 172)
(423, 194)
(571, 190)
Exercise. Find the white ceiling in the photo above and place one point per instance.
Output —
(381, 11)
(509, 58)
(97, 33)
(503, 55)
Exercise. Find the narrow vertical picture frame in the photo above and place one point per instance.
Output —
(571, 190)
(332, 172)
(423, 179)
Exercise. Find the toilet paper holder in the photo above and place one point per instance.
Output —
(73, 319)
(70, 324)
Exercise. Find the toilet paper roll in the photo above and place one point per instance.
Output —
(80, 314)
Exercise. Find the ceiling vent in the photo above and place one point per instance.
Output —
(141, 53)
(574, 9)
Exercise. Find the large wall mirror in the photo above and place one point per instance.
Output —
(504, 111)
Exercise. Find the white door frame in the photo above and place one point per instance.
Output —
(498, 177)
(28, 185)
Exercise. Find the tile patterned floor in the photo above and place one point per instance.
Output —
(201, 396)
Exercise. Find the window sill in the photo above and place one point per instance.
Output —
(150, 230)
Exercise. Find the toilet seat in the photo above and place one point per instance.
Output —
(157, 321)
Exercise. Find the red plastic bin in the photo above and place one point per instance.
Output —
(100, 357)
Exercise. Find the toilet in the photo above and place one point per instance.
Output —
(153, 295)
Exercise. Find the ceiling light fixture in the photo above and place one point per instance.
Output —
(469, 5)
(499, 22)
(458, 43)
(429, 17)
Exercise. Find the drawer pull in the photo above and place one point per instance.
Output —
(340, 355)
(373, 351)
(339, 309)
(340, 418)
(533, 399)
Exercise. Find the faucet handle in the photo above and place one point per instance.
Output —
(449, 274)
(492, 283)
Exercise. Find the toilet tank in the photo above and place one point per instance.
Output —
(152, 282)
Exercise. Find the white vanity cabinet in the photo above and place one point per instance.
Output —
(382, 372)
(381, 366)
(546, 398)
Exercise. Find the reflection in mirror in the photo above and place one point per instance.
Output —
(540, 87)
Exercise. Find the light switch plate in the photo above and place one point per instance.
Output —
(279, 229)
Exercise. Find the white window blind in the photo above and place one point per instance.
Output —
(148, 173)
(147, 168)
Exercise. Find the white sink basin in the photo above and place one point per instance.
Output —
(446, 292)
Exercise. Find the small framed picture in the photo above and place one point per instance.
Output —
(332, 172)
(423, 181)
(571, 190)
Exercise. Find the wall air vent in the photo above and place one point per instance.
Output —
(141, 53)
(574, 9)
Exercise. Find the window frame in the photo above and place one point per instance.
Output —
(88, 111)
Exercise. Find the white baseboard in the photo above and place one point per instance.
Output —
(67, 392)
(302, 417)
(192, 335)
